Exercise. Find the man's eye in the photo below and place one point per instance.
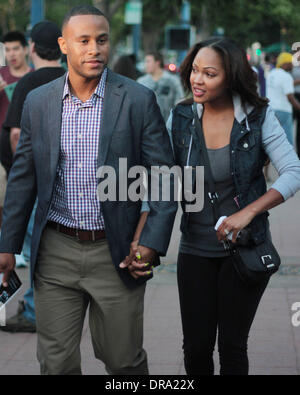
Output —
(84, 41)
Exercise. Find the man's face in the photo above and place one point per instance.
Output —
(287, 66)
(151, 65)
(15, 54)
(85, 41)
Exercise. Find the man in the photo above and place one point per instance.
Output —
(70, 128)
(280, 92)
(166, 86)
(45, 53)
(15, 54)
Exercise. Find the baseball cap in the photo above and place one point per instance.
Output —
(45, 34)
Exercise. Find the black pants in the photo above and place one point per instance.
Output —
(212, 297)
(297, 116)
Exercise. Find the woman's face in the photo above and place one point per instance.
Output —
(208, 77)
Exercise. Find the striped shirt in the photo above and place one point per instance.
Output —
(74, 202)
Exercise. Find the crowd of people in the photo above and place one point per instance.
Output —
(59, 124)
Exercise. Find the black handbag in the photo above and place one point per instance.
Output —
(254, 263)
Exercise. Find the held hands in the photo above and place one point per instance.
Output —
(139, 261)
(7, 264)
(234, 224)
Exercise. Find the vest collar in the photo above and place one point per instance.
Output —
(240, 112)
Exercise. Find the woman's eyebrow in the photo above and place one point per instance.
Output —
(210, 67)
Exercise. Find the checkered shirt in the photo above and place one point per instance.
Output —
(74, 202)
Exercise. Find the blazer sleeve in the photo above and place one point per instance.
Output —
(156, 156)
(21, 191)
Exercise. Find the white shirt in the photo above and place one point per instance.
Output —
(280, 83)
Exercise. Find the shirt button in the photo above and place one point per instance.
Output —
(80, 136)
(81, 195)
(232, 151)
(80, 165)
(246, 145)
(81, 223)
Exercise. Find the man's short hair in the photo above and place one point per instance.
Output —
(15, 36)
(157, 57)
(81, 10)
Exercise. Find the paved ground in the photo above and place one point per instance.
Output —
(274, 344)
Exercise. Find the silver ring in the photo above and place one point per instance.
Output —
(226, 232)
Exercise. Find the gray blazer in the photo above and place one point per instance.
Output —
(132, 127)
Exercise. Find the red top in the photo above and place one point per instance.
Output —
(4, 103)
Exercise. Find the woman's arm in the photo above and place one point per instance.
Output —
(242, 218)
(287, 164)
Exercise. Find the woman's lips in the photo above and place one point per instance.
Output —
(198, 92)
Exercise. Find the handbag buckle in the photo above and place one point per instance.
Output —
(265, 259)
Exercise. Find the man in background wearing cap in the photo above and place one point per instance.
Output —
(280, 92)
(45, 53)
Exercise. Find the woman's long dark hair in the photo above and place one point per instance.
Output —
(241, 78)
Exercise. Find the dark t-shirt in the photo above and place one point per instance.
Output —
(25, 85)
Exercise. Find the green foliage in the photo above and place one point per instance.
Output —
(266, 21)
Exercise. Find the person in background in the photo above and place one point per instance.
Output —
(16, 58)
(296, 76)
(166, 86)
(44, 53)
(280, 92)
(125, 66)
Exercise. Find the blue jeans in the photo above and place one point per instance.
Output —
(29, 312)
(286, 121)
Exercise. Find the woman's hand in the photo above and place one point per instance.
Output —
(234, 224)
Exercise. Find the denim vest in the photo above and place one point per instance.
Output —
(247, 159)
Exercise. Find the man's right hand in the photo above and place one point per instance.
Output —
(7, 264)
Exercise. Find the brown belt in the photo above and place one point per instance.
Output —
(82, 235)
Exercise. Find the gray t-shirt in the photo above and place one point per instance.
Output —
(202, 239)
(168, 91)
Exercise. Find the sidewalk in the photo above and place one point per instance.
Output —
(274, 343)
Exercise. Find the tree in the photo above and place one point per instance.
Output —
(109, 7)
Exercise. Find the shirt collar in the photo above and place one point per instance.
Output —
(100, 88)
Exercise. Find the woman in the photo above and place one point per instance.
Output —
(240, 132)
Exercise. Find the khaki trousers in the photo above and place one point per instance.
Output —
(70, 277)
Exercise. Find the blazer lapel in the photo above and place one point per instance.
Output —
(54, 124)
(114, 96)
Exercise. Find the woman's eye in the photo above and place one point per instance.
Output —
(210, 75)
